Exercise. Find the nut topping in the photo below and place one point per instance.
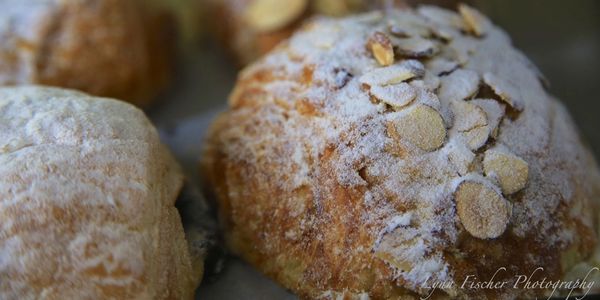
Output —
(270, 15)
(397, 96)
(477, 137)
(483, 212)
(415, 47)
(474, 20)
(393, 74)
(459, 85)
(381, 47)
(505, 90)
(423, 127)
(510, 170)
(468, 115)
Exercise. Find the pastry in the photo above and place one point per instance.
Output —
(87, 202)
(108, 48)
(253, 27)
(381, 154)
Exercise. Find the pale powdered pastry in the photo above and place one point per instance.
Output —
(350, 188)
(87, 195)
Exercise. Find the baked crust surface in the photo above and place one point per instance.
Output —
(87, 195)
(109, 48)
(340, 174)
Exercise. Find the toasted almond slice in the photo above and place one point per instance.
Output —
(483, 212)
(441, 66)
(475, 21)
(393, 74)
(415, 47)
(468, 115)
(271, 15)
(459, 156)
(381, 47)
(423, 127)
(406, 24)
(494, 112)
(510, 171)
(505, 90)
(460, 49)
(427, 97)
(459, 85)
(398, 95)
(477, 137)
(441, 16)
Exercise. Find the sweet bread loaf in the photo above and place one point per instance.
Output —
(87, 195)
(109, 48)
(380, 154)
(253, 27)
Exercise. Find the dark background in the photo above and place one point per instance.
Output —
(563, 39)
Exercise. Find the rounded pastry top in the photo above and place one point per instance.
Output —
(87, 195)
(109, 48)
(420, 136)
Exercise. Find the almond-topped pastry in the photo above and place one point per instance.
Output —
(110, 48)
(343, 170)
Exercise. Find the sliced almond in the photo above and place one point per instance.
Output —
(423, 127)
(468, 115)
(402, 23)
(393, 74)
(494, 112)
(397, 96)
(477, 137)
(427, 97)
(460, 49)
(415, 47)
(271, 15)
(459, 85)
(510, 171)
(483, 212)
(441, 16)
(381, 47)
(475, 21)
(507, 91)
(441, 66)
(459, 156)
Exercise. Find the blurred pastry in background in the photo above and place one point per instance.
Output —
(250, 28)
(188, 15)
(110, 48)
(396, 153)
(87, 200)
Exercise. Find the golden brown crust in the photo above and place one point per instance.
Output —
(324, 186)
(87, 195)
(109, 48)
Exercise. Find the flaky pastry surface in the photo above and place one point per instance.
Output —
(87, 195)
(377, 154)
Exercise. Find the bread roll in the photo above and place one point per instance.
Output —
(380, 154)
(109, 48)
(87, 195)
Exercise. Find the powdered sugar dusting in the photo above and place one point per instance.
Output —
(350, 132)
